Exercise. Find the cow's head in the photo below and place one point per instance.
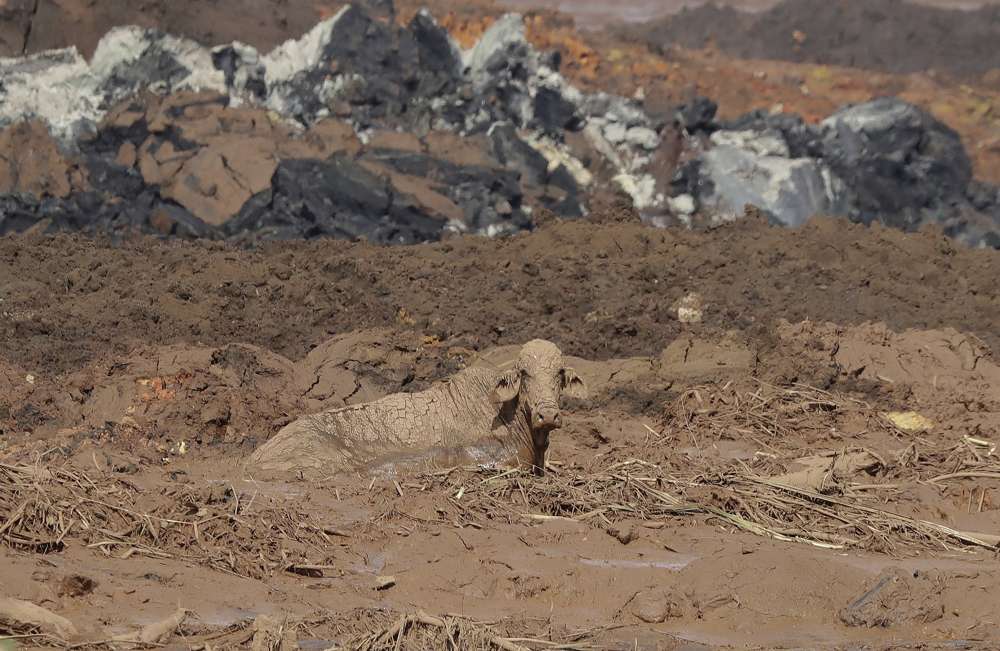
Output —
(538, 380)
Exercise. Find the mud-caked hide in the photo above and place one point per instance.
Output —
(507, 415)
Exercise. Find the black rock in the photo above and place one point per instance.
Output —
(153, 66)
(477, 190)
(554, 114)
(804, 141)
(515, 154)
(901, 164)
(332, 198)
(696, 115)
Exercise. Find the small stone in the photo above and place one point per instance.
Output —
(342, 109)
(656, 606)
(29, 378)
(689, 309)
(682, 204)
(504, 208)
(625, 534)
(127, 155)
(643, 137)
(161, 221)
(615, 133)
(384, 582)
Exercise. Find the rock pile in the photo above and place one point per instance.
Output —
(360, 128)
(366, 128)
(885, 160)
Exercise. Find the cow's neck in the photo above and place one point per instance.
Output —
(509, 426)
(517, 439)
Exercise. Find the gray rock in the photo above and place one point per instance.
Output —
(643, 137)
(763, 143)
(885, 161)
(902, 165)
(615, 133)
(791, 189)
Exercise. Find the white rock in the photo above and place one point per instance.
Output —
(304, 53)
(615, 133)
(689, 308)
(643, 137)
(764, 143)
(557, 154)
(507, 31)
(682, 204)
(642, 189)
(791, 189)
(55, 86)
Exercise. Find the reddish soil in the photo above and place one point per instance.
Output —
(742, 481)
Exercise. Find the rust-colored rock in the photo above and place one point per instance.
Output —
(127, 155)
(384, 139)
(211, 158)
(31, 162)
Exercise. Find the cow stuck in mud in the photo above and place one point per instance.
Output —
(506, 414)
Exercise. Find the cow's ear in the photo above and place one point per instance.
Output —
(508, 385)
(572, 384)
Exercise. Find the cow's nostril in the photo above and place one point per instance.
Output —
(548, 417)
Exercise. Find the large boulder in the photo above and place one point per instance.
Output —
(885, 160)
(901, 164)
(750, 168)
(333, 198)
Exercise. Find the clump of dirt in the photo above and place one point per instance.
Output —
(889, 35)
(895, 597)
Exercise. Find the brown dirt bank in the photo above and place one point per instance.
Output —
(890, 35)
(598, 290)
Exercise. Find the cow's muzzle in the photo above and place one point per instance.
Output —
(546, 418)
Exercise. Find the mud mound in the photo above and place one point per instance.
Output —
(735, 505)
(595, 290)
(890, 35)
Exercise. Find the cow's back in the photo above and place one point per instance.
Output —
(454, 413)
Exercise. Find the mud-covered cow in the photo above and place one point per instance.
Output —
(507, 412)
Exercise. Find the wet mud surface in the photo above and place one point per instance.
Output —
(597, 290)
(801, 452)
